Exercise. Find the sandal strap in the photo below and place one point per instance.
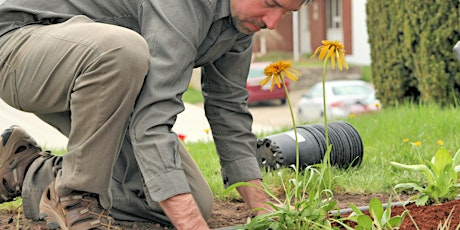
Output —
(77, 210)
(17, 151)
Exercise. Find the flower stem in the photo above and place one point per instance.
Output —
(297, 157)
(327, 156)
(324, 104)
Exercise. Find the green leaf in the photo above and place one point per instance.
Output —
(376, 209)
(442, 159)
(456, 158)
(365, 221)
(420, 168)
(356, 211)
(386, 214)
(457, 168)
(236, 185)
(421, 200)
(395, 222)
(405, 186)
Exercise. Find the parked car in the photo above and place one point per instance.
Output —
(343, 97)
(258, 93)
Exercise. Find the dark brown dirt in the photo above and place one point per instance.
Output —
(235, 213)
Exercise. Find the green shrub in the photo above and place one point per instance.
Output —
(411, 50)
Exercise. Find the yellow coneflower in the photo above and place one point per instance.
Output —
(277, 70)
(417, 143)
(333, 50)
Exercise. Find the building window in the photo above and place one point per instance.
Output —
(334, 14)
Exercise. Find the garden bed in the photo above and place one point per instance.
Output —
(235, 213)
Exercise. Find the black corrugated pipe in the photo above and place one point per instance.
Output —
(279, 150)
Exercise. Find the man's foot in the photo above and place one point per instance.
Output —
(17, 151)
(74, 211)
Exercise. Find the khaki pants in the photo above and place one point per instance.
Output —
(83, 78)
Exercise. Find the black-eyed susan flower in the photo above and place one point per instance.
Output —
(333, 50)
(277, 71)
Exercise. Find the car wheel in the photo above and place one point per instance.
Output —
(283, 101)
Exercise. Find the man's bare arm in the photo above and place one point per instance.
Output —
(183, 212)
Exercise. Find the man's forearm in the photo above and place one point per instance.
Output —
(183, 212)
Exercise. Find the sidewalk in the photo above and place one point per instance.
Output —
(46, 135)
(191, 123)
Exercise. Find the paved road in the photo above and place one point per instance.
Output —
(275, 115)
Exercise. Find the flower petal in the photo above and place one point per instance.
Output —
(272, 86)
(265, 81)
(323, 52)
(316, 51)
(342, 57)
(278, 81)
(291, 75)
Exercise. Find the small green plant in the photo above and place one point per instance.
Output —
(380, 217)
(441, 174)
(302, 208)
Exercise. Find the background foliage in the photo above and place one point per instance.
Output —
(411, 50)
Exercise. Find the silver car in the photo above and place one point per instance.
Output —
(343, 97)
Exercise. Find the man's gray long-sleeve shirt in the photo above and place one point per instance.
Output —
(182, 35)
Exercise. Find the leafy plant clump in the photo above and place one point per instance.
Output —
(380, 218)
(302, 208)
(441, 174)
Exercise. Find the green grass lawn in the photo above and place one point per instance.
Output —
(387, 136)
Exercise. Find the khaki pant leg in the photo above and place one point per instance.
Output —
(90, 70)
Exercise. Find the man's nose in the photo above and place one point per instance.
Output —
(272, 19)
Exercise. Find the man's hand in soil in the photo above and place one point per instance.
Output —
(255, 197)
(184, 213)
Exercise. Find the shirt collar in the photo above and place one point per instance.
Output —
(222, 9)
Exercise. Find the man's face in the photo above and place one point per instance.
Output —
(250, 16)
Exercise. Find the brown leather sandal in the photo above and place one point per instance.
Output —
(74, 211)
(17, 151)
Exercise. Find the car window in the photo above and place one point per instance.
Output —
(253, 73)
(316, 91)
(350, 90)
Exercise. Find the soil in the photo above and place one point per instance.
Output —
(233, 213)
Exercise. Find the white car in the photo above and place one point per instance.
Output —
(343, 97)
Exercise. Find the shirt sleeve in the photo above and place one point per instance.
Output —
(173, 29)
(224, 89)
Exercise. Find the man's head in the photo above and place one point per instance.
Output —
(250, 16)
